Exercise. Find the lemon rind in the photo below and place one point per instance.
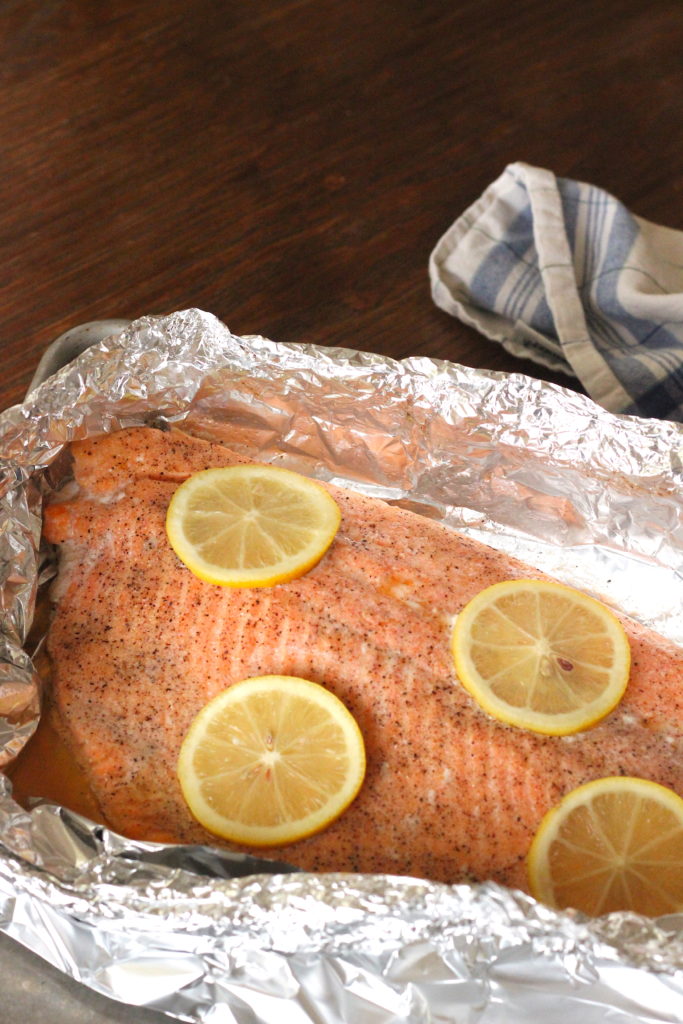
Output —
(565, 723)
(302, 828)
(537, 862)
(280, 572)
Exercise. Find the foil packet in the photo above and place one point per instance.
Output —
(203, 935)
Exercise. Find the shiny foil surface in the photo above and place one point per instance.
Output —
(203, 935)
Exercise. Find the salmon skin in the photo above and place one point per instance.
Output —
(139, 645)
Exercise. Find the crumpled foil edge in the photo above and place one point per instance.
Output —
(77, 893)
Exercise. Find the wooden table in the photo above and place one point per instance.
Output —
(289, 164)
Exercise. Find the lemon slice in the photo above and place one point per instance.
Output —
(612, 844)
(541, 655)
(270, 760)
(251, 525)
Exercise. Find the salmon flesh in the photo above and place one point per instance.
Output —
(139, 645)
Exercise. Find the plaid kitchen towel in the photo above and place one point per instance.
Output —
(562, 273)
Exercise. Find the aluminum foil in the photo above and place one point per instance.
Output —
(202, 935)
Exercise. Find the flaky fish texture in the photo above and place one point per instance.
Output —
(139, 645)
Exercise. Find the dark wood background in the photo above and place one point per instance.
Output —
(289, 164)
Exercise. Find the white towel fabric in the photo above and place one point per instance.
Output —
(562, 273)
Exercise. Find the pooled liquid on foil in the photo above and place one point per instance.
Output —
(544, 474)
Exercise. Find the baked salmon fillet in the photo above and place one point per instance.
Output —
(138, 646)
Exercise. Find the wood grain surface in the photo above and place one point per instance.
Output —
(289, 164)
